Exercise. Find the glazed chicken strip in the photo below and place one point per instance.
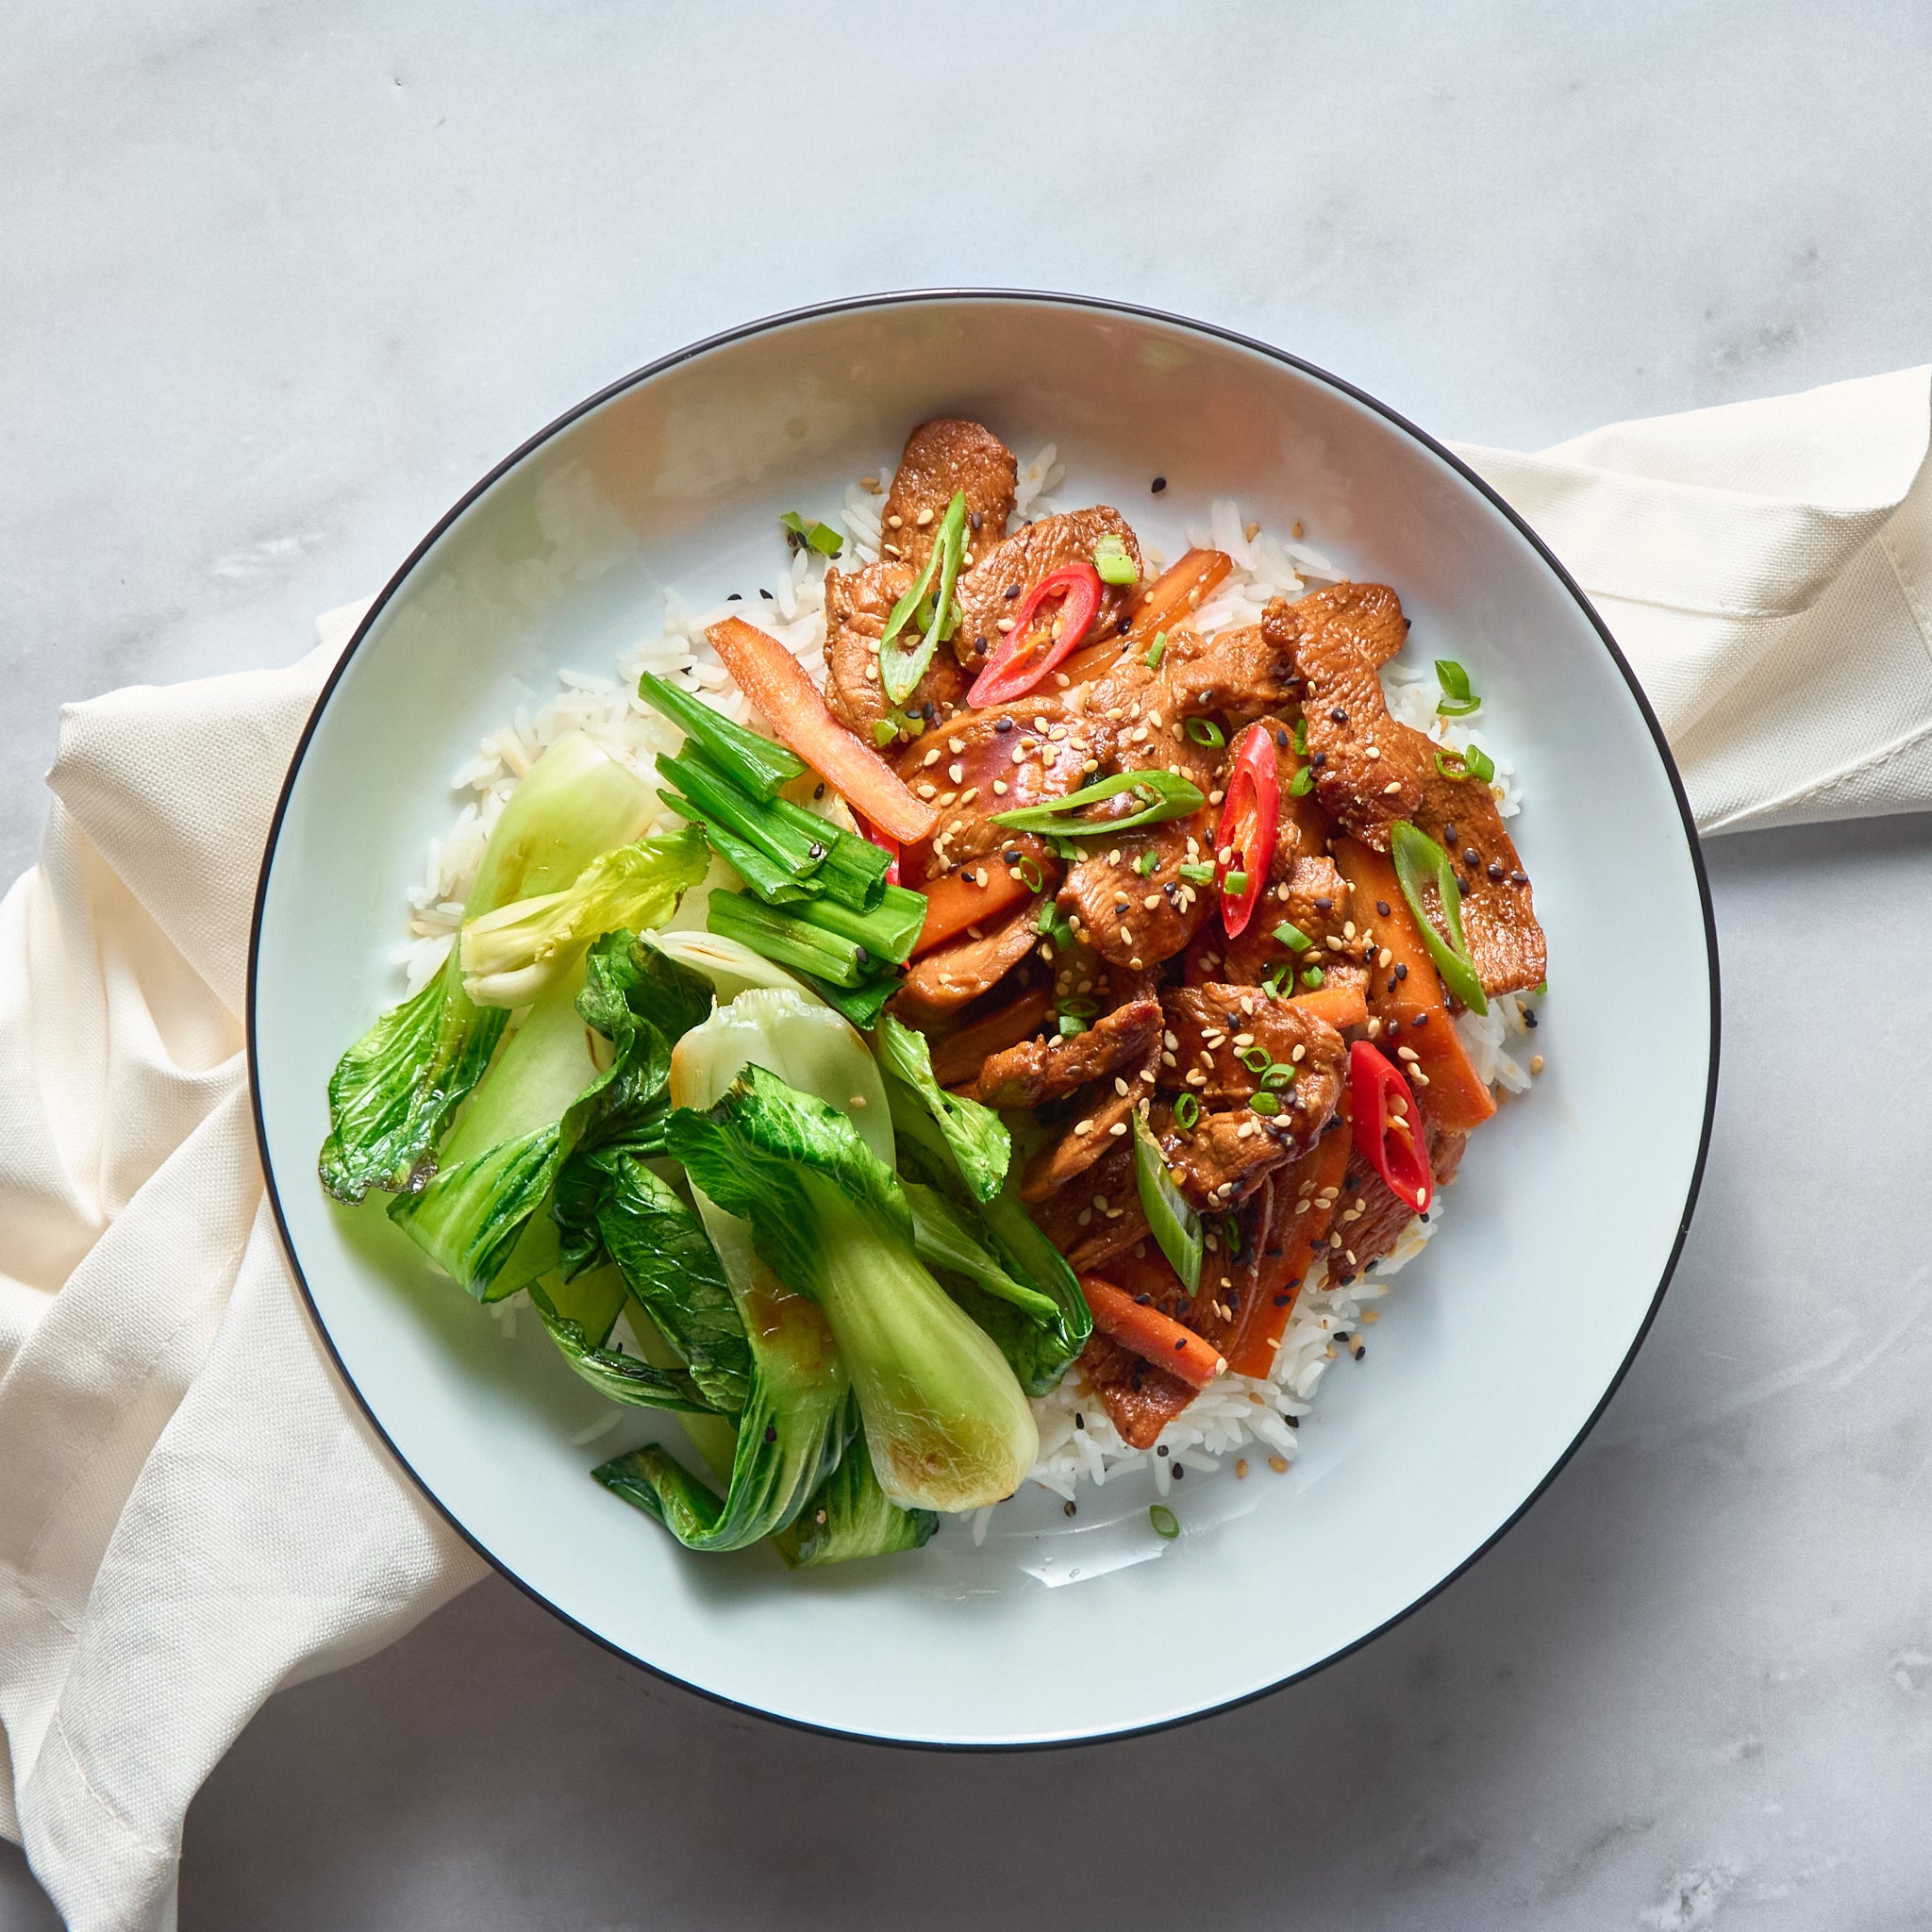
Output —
(997, 584)
(1038, 1071)
(942, 457)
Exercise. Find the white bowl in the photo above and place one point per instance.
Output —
(1496, 1351)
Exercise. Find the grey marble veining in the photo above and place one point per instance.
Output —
(279, 283)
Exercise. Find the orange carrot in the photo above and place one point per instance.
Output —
(1342, 1005)
(1148, 1333)
(1413, 1014)
(958, 1057)
(776, 684)
(1251, 1350)
(1180, 588)
(955, 900)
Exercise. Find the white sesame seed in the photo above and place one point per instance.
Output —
(896, 523)
(924, 518)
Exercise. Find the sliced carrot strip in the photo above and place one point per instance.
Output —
(1342, 1005)
(1251, 1349)
(776, 684)
(1410, 1006)
(982, 888)
(1180, 588)
(1148, 1333)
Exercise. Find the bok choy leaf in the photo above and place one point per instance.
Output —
(849, 1515)
(976, 1136)
(395, 1091)
(946, 1425)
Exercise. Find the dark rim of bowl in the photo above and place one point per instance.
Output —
(907, 298)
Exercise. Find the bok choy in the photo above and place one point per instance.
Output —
(395, 1091)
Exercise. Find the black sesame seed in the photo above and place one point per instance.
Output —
(1179, 1471)
(1281, 739)
(1325, 905)
(1382, 907)
(1320, 759)
(1472, 856)
(766, 595)
(974, 518)
(1495, 871)
(1518, 878)
(1067, 1508)
(1146, 1301)
(1011, 591)
(1001, 724)
(1362, 1349)
(1402, 972)
(1181, 1343)
(1281, 1301)
(735, 597)
(1529, 1017)
(1161, 1449)
(1339, 715)
(1448, 835)
(1294, 1421)
(1158, 485)
(1079, 1420)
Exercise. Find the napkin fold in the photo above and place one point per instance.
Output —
(192, 1512)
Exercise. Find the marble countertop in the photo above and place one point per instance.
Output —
(279, 283)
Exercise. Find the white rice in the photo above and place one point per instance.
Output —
(1077, 1441)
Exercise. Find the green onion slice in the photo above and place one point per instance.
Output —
(1082, 1006)
(1271, 985)
(1279, 1076)
(1070, 1024)
(1257, 1059)
(1187, 1110)
(1174, 1225)
(1160, 794)
(1303, 782)
(1459, 701)
(1235, 884)
(802, 535)
(1313, 978)
(1206, 731)
(883, 732)
(1030, 875)
(1301, 738)
(1148, 863)
(1473, 763)
(754, 764)
(1420, 863)
(1292, 936)
(1264, 1102)
(1199, 874)
(1156, 650)
(1114, 565)
(900, 669)
(1167, 1526)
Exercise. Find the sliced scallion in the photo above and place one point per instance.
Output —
(1161, 796)
(1420, 863)
(1083, 1006)
(1114, 565)
(1206, 731)
(1303, 782)
(1292, 936)
(900, 669)
(1148, 863)
(1458, 700)
(1313, 978)
(1030, 875)
(1301, 738)
(1174, 1225)
(883, 732)
(1473, 763)
(1187, 1110)
(1235, 884)
(786, 940)
(1167, 1526)
(1197, 872)
(1156, 650)
(1070, 1024)
(802, 535)
(1264, 1102)
(754, 764)
(1257, 1059)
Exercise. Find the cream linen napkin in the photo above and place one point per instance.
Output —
(191, 1511)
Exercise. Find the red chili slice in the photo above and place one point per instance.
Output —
(1388, 1125)
(1022, 659)
(884, 840)
(1249, 821)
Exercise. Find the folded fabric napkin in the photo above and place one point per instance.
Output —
(192, 1512)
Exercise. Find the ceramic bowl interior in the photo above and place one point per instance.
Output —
(1494, 1352)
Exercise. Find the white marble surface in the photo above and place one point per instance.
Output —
(279, 283)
